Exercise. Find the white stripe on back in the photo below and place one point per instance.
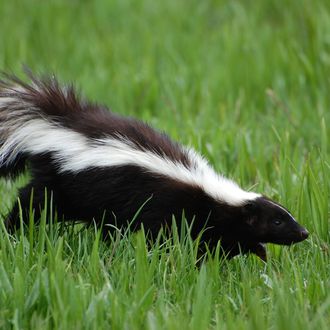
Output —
(74, 152)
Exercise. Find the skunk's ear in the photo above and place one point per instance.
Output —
(249, 208)
(250, 213)
(251, 220)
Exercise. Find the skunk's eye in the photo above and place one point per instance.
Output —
(277, 222)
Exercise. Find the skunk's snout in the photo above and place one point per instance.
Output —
(291, 236)
(304, 234)
(300, 235)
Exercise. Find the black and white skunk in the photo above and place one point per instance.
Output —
(103, 167)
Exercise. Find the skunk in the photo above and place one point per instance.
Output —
(103, 168)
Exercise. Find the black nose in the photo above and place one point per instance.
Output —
(304, 234)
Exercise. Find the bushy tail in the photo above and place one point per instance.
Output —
(26, 110)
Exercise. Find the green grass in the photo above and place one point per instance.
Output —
(244, 82)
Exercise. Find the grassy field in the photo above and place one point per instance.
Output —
(247, 84)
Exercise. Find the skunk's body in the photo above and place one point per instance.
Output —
(102, 167)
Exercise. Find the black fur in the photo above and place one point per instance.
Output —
(113, 195)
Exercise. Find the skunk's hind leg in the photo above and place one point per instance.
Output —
(31, 197)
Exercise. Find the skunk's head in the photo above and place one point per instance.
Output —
(269, 222)
(245, 228)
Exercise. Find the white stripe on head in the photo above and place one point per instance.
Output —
(74, 152)
(282, 208)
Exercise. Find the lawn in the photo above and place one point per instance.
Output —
(246, 83)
